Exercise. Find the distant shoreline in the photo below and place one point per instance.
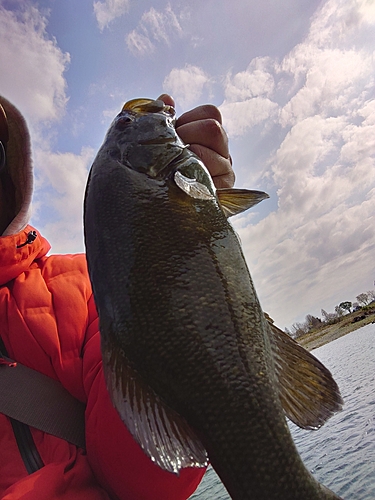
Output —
(318, 338)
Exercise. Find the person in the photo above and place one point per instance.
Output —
(48, 322)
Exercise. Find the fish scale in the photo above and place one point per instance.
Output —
(187, 352)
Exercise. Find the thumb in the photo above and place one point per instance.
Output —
(167, 99)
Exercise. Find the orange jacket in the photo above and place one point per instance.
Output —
(48, 321)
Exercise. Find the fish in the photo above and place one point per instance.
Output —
(195, 369)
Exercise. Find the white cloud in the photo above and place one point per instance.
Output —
(248, 97)
(333, 80)
(256, 81)
(160, 24)
(33, 78)
(60, 185)
(238, 117)
(154, 27)
(306, 121)
(367, 11)
(319, 100)
(186, 84)
(34, 81)
(32, 65)
(107, 11)
(139, 44)
(342, 23)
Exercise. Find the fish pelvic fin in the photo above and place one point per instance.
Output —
(308, 393)
(163, 434)
(234, 201)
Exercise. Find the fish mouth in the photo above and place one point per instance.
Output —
(141, 106)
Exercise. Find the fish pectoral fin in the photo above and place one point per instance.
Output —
(163, 434)
(308, 392)
(234, 201)
(192, 187)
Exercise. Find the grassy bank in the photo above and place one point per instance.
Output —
(348, 323)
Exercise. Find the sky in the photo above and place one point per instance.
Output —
(294, 81)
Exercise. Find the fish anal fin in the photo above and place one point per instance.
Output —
(163, 434)
(308, 393)
(234, 201)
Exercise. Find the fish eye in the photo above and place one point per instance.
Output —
(123, 122)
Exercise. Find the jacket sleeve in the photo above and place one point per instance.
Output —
(118, 462)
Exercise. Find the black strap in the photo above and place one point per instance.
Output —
(3, 351)
(41, 402)
(26, 445)
(24, 439)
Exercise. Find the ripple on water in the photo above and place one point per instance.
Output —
(341, 454)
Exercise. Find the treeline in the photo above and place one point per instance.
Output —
(313, 323)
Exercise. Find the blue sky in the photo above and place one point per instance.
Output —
(294, 80)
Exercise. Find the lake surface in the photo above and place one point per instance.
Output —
(341, 454)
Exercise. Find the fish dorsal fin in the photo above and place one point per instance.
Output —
(162, 434)
(308, 392)
(234, 201)
(192, 187)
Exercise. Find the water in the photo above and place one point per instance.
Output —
(341, 454)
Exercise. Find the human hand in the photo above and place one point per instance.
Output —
(202, 129)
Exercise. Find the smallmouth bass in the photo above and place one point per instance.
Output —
(193, 367)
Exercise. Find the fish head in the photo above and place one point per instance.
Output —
(143, 137)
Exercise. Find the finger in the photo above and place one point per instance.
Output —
(224, 181)
(219, 167)
(167, 99)
(200, 113)
(206, 132)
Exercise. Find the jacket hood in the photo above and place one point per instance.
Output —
(17, 178)
(18, 252)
